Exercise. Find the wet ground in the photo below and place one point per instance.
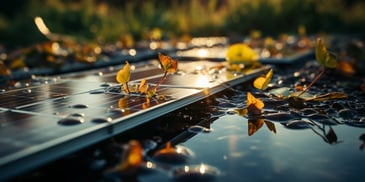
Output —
(317, 140)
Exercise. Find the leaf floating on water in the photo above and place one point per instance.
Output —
(323, 56)
(328, 96)
(241, 111)
(297, 99)
(262, 82)
(281, 92)
(168, 64)
(254, 105)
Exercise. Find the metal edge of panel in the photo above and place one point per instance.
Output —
(89, 136)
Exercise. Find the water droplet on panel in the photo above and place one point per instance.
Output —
(71, 121)
(27, 91)
(79, 106)
(101, 120)
(105, 85)
(76, 115)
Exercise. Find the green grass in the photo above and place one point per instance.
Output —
(111, 20)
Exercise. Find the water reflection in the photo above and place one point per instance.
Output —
(255, 125)
(362, 138)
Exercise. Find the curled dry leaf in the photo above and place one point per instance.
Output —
(263, 81)
(254, 105)
(168, 64)
(143, 86)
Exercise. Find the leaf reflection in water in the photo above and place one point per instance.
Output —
(362, 138)
(255, 125)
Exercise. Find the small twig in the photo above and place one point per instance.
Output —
(313, 81)
(162, 79)
(127, 88)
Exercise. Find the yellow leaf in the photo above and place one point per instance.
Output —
(241, 53)
(262, 82)
(143, 86)
(328, 96)
(251, 100)
(241, 111)
(124, 74)
(324, 57)
(168, 64)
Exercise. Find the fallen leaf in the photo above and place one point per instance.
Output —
(262, 82)
(168, 64)
(323, 56)
(143, 86)
(282, 92)
(328, 96)
(241, 53)
(241, 111)
(124, 74)
(254, 105)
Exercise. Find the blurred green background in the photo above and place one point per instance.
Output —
(107, 21)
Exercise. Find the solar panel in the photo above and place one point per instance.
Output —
(42, 122)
